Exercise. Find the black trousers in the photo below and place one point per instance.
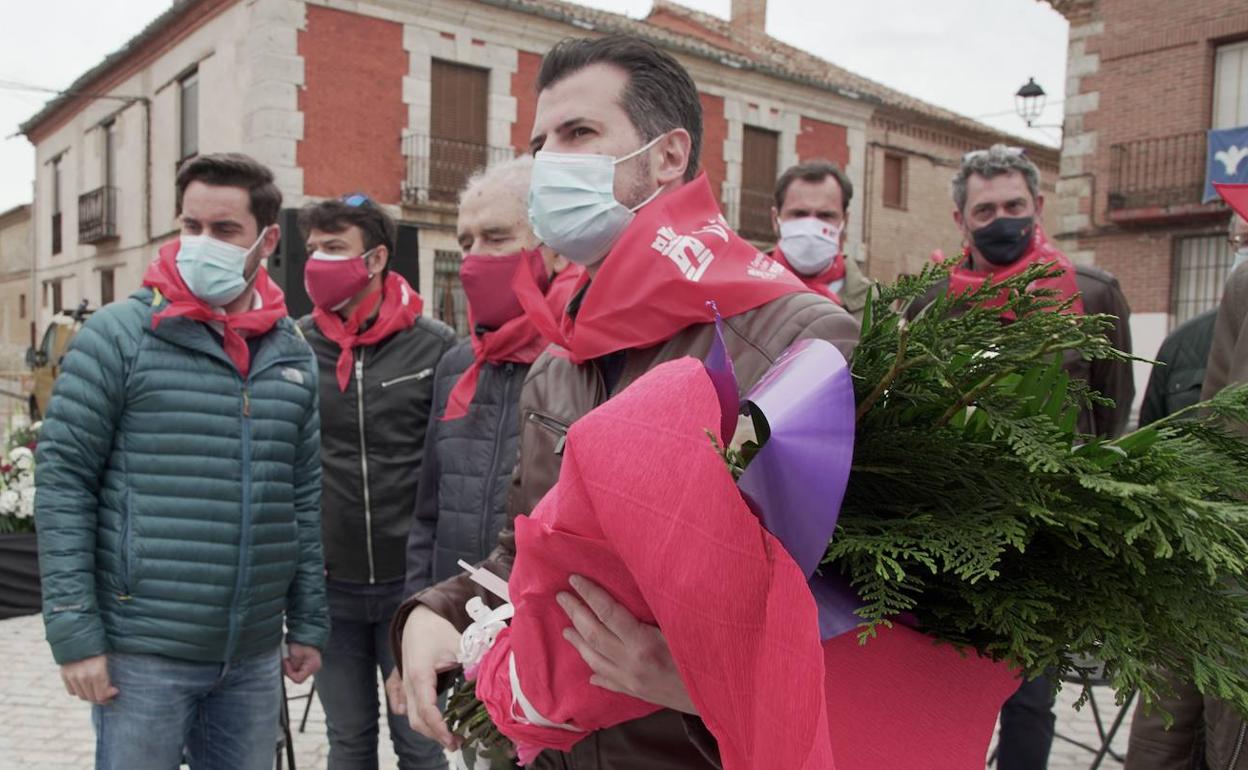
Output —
(1027, 722)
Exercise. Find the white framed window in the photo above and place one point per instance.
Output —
(1230, 86)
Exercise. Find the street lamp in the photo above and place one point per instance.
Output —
(1029, 102)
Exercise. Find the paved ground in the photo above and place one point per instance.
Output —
(42, 728)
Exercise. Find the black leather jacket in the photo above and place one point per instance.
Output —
(372, 443)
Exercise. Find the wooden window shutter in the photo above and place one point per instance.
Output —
(895, 181)
(458, 127)
(759, 157)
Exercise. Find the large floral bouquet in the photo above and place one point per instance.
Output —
(17, 480)
(974, 515)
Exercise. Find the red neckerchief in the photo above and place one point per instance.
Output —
(517, 341)
(1235, 195)
(162, 275)
(820, 282)
(677, 255)
(400, 305)
(963, 280)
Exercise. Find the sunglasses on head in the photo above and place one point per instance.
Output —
(1017, 152)
(356, 199)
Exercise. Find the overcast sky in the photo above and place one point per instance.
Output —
(969, 56)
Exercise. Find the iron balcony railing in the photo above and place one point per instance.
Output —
(97, 215)
(438, 168)
(1162, 171)
(748, 211)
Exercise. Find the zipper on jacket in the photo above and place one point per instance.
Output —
(488, 498)
(554, 426)
(368, 510)
(1239, 745)
(244, 538)
(417, 376)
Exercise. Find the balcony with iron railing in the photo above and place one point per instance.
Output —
(97, 215)
(1157, 178)
(437, 168)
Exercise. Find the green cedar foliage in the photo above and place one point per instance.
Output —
(975, 506)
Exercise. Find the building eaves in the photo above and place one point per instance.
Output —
(85, 81)
(767, 55)
(606, 22)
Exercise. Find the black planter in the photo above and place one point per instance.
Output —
(19, 575)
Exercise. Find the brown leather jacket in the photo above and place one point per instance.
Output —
(556, 394)
(1101, 294)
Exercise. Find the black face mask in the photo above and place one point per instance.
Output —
(1005, 240)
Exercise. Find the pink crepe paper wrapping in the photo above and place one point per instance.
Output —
(646, 508)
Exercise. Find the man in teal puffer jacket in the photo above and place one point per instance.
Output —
(178, 503)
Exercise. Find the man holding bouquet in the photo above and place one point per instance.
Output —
(616, 189)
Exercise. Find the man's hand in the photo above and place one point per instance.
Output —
(301, 662)
(88, 679)
(430, 646)
(626, 656)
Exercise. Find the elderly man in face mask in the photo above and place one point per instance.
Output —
(472, 442)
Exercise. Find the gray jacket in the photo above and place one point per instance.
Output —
(461, 503)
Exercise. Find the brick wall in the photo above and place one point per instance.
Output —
(1140, 69)
(352, 104)
(524, 88)
(819, 139)
(714, 132)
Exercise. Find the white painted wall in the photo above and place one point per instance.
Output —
(215, 48)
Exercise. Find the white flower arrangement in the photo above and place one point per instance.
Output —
(17, 480)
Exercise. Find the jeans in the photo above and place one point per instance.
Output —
(1027, 721)
(359, 647)
(225, 715)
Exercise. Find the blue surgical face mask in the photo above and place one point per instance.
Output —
(213, 269)
(572, 203)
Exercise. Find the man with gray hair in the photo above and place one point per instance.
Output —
(472, 442)
(997, 207)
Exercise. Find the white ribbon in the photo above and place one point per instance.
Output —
(486, 626)
(531, 715)
(480, 636)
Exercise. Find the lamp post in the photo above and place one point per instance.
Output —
(1029, 102)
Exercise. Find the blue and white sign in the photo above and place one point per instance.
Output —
(1227, 160)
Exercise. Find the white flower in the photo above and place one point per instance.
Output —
(34, 428)
(10, 501)
(22, 458)
(25, 480)
(26, 509)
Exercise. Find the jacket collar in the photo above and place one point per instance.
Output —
(283, 343)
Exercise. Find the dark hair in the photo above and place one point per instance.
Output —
(233, 169)
(814, 171)
(336, 215)
(660, 95)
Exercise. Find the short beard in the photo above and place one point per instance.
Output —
(640, 188)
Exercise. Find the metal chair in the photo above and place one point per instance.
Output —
(1092, 675)
(285, 741)
(307, 707)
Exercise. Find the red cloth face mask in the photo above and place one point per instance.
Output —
(332, 280)
(487, 284)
